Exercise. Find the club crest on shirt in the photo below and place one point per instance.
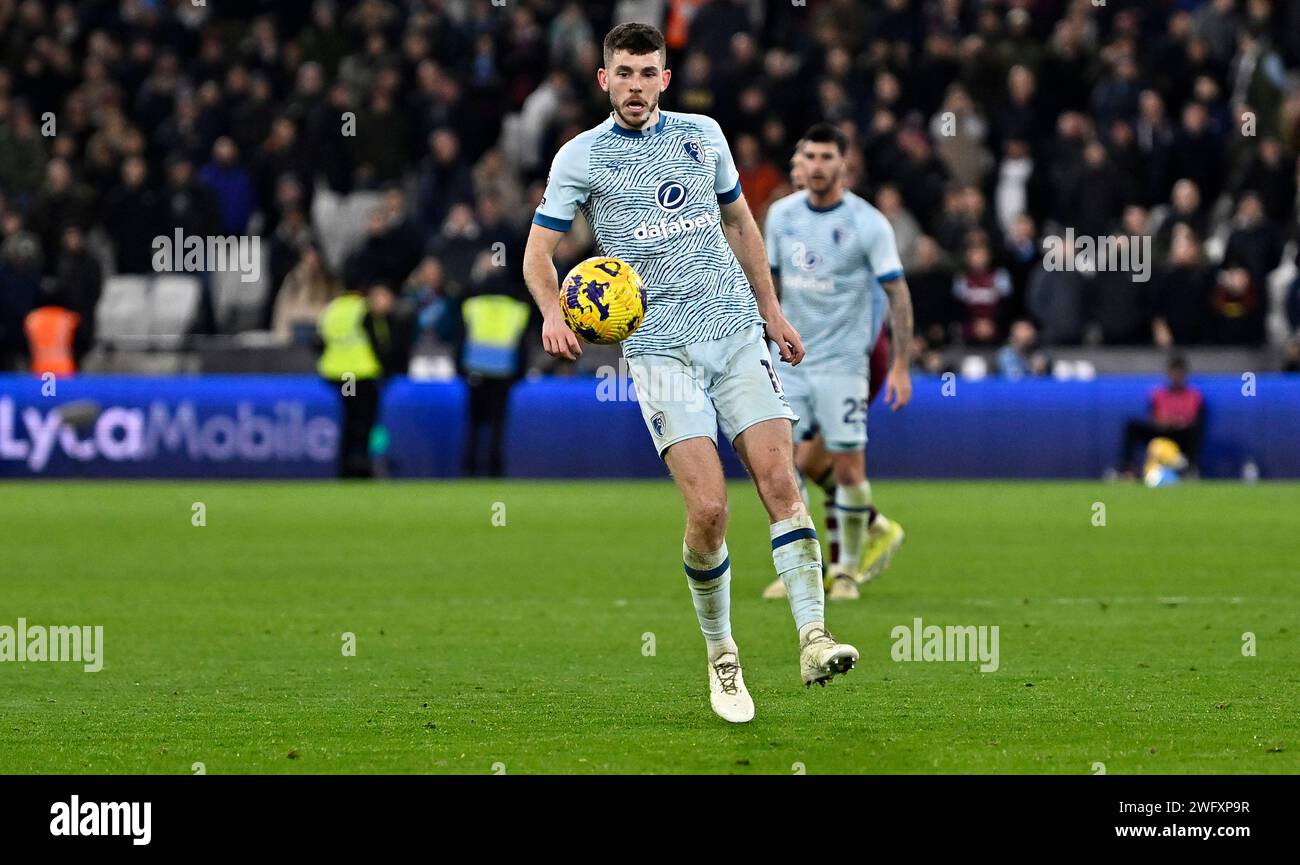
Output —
(694, 150)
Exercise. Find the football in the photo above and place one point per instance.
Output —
(603, 300)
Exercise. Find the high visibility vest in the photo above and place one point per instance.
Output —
(50, 332)
(677, 29)
(347, 347)
(494, 324)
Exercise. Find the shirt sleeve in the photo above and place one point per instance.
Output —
(726, 179)
(566, 187)
(881, 249)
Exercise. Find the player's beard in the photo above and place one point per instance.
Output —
(823, 187)
(650, 107)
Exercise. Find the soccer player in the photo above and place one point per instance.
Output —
(831, 252)
(660, 191)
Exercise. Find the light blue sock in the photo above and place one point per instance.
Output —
(797, 554)
(709, 578)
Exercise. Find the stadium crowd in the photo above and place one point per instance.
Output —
(405, 143)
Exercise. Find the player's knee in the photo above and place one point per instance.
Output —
(780, 493)
(708, 517)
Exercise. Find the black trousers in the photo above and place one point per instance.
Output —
(1138, 433)
(360, 411)
(488, 400)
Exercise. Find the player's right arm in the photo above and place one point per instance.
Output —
(881, 250)
(566, 188)
(544, 285)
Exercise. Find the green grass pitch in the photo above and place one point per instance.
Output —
(524, 647)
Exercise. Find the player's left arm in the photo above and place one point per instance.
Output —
(898, 383)
(741, 231)
(742, 234)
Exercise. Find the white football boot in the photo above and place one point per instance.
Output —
(727, 692)
(821, 658)
(842, 587)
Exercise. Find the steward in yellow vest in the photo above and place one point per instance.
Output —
(492, 360)
(351, 367)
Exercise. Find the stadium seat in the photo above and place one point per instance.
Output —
(122, 315)
(174, 301)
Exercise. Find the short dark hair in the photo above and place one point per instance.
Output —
(636, 39)
(826, 133)
(1177, 361)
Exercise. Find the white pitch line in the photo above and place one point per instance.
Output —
(989, 602)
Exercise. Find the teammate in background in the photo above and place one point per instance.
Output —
(833, 253)
(661, 191)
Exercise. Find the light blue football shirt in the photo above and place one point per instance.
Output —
(652, 198)
(829, 261)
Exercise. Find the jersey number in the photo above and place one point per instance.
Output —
(771, 373)
(853, 407)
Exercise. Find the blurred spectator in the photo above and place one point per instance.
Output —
(1012, 194)
(1096, 192)
(758, 176)
(959, 131)
(307, 290)
(906, 229)
(1269, 176)
(494, 229)
(1055, 298)
(1257, 77)
(380, 142)
(22, 151)
(437, 314)
(1020, 357)
(494, 177)
(930, 280)
(1186, 211)
(1020, 254)
(444, 179)
(133, 217)
(1120, 304)
(78, 282)
(390, 329)
(981, 287)
(457, 246)
(391, 247)
(61, 202)
(1255, 244)
(230, 185)
(1176, 411)
(714, 24)
(20, 286)
(1181, 291)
